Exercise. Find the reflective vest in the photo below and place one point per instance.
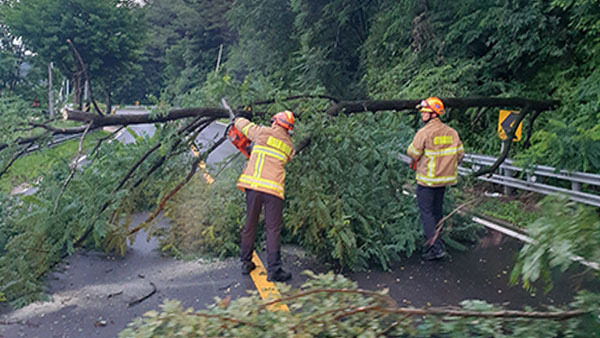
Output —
(437, 150)
(272, 149)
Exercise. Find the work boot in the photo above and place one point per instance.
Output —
(432, 255)
(247, 267)
(279, 276)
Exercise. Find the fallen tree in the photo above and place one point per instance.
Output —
(97, 199)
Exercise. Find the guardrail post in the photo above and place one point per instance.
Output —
(508, 173)
(575, 186)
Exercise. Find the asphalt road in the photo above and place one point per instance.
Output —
(93, 294)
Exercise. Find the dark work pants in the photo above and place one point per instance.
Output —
(273, 220)
(430, 202)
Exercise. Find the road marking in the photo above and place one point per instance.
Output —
(266, 289)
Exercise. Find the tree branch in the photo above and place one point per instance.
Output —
(295, 97)
(351, 107)
(14, 158)
(172, 193)
(131, 119)
(85, 75)
(73, 169)
(507, 144)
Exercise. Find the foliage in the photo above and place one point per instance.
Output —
(90, 203)
(14, 117)
(11, 60)
(411, 49)
(184, 43)
(345, 191)
(568, 146)
(565, 230)
(329, 305)
(266, 41)
(107, 33)
(206, 219)
(29, 168)
(515, 211)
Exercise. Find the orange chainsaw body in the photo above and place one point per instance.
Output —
(239, 140)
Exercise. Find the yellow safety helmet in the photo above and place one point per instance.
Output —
(432, 104)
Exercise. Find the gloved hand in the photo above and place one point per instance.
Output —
(413, 165)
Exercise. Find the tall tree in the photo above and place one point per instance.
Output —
(184, 42)
(108, 34)
(11, 59)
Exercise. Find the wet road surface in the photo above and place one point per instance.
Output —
(482, 272)
(91, 292)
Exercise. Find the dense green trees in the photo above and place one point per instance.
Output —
(108, 35)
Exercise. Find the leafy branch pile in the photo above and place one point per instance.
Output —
(565, 230)
(37, 231)
(330, 305)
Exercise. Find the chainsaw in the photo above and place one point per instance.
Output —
(236, 137)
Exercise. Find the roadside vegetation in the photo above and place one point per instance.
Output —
(345, 198)
(27, 169)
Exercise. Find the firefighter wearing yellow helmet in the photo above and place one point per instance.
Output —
(436, 151)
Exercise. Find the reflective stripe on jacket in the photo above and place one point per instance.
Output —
(272, 149)
(438, 150)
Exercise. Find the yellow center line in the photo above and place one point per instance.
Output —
(266, 289)
(202, 166)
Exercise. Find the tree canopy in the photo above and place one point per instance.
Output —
(108, 34)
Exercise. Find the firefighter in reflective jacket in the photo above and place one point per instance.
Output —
(436, 150)
(263, 181)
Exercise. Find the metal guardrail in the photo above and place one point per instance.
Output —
(532, 176)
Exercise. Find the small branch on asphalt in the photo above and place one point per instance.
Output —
(25, 323)
(138, 301)
(316, 316)
(114, 294)
(552, 315)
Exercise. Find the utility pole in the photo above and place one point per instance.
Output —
(50, 92)
(219, 58)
